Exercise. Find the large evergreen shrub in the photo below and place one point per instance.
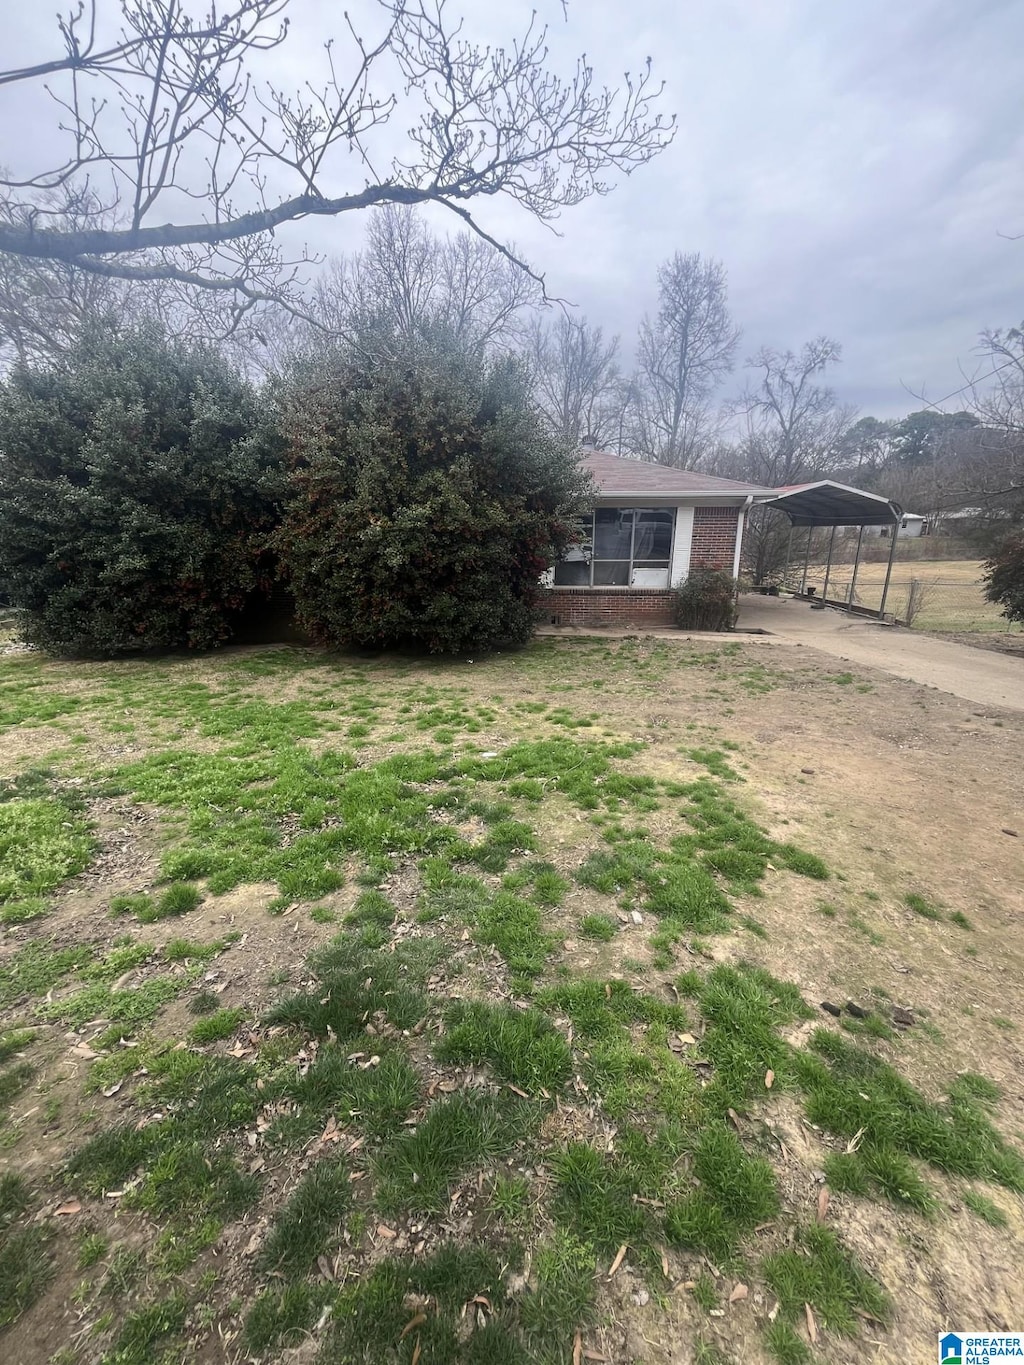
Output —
(138, 483)
(425, 497)
(1004, 577)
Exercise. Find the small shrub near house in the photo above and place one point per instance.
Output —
(706, 601)
(425, 498)
(139, 482)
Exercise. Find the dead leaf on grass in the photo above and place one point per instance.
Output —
(619, 1257)
(577, 1350)
(412, 1324)
(416, 1353)
(855, 1141)
(812, 1327)
(769, 1079)
(71, 1207)
(112, 1090)
(822, 1203)
(739, 1292)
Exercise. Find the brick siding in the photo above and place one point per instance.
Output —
(714, 537)
(619, 607)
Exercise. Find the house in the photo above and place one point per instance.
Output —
(650, 525)
(912, 525)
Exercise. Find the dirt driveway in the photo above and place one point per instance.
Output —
(975, 675)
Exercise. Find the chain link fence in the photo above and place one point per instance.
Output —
(933, 586)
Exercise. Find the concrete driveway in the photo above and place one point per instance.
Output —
(979, 675)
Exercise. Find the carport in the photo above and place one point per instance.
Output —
(826, 503)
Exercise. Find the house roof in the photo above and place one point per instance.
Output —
(826, 503)
(619, 477)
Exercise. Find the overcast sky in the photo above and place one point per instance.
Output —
(856, 165)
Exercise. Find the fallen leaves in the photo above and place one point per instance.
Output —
(412, 1324)
(769, 1079)
(619, 1257)
(69, 1209)
(739, 1292)
(822, 1203)
(812, 1326)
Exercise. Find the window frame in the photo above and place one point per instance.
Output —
(589, 540)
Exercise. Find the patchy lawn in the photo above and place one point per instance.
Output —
(389, 1010)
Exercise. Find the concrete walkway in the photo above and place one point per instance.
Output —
(978, 675)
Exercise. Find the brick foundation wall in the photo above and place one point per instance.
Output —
(714, 537)
(616, 607)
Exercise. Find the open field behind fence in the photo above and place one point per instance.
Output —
(941, 594)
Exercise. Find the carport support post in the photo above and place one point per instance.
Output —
(789, 548)
(856, 566)
(888, 570)
(807, 559)
(828, 565)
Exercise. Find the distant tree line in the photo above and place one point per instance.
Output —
(415, 294)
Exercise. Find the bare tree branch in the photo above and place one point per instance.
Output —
(172, 114)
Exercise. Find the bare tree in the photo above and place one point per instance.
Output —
(408, 278)
(795, 426)
(576, 379)
(45, 304)
(795, 431)
(682, 356)
(199, 161)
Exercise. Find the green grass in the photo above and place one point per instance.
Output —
(848, 1090)
(521, 1046)
(14, 1041)
(716, 763)
(42, 843)
(594, 1199)
(145, 1330)
(376, 1098)
(986, 1209)
(922, 906)
(178, 899)
(92, 1247)
(311, 1223)
(515, 927)
(784, 1346)
(37, 967)
(23, 911)
(25, 1269)
(744, 1008)
(355, 979)
(419, 1169)
(602, 928)
(281, 1318)
(819, 1271)
(371, 1314)
(510, 1199)
(960, 920)
(216, 1026)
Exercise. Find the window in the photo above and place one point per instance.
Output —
(620, 547)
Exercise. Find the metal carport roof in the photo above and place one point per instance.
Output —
(827, 503)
